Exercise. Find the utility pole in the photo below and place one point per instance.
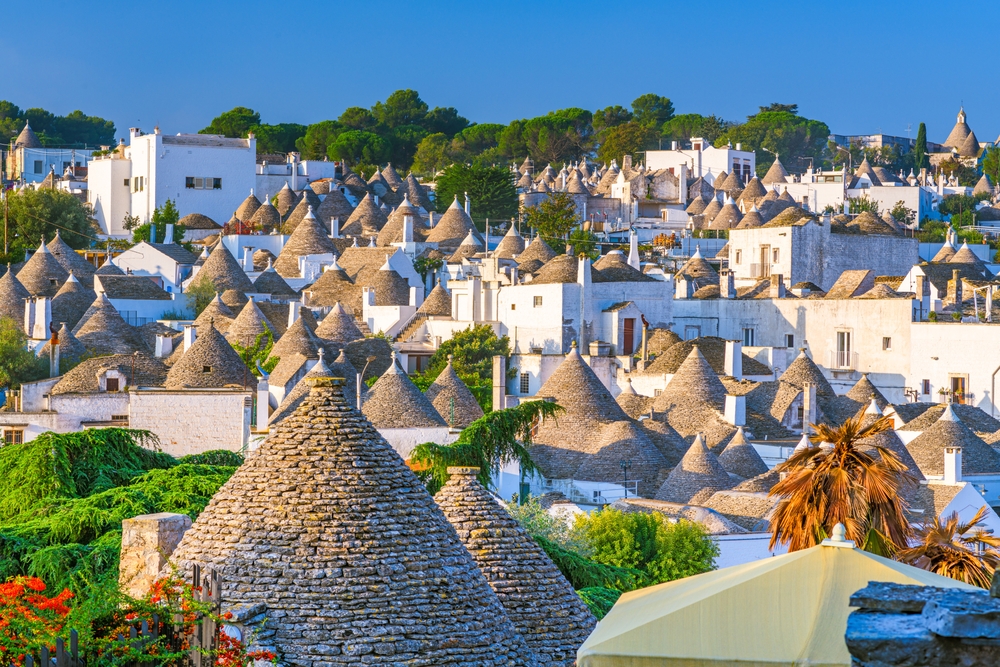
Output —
(6, 198)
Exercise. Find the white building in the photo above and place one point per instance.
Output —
(200, 173)
(703, 160)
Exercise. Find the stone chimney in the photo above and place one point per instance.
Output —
(955, 288)
(499, 382)
(263, 396)
(248, 258)
(335, 227)
(168, 234)
(734, 359)
(952, 465)
(777, 289)
(293, 312)
(147, 542)
(164, 346)
(727, 284)
(407, 229)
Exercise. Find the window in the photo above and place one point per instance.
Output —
(216, 183)
(38, 166)
(119, 418)
(959, 388)
(513, 306)
(538, 302)
(189, 182)
(657, 392)
(748, 336)
(111, 384)
(13, 436)
(691, 331)
(206, 369)
(739, 256)
(126, 182)
(775, 255)
(525, 387)
(198, 183)
(925, 386)
(843, 349)
(789, 340)
(886, 343)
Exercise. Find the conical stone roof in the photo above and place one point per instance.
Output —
(740, 458)
(235, 299)
(300, 391)
(511, 245)
(395, 402)
(888, 439)
(326, 511)
(452, 399)
(538, 250)
(266, 217)
(959, 133)
(392, 232)
(752, 219)
(71, 301)
(928, 448)
(417, 193)
(335, 286)
(728, 217)
(217, 312)
(864, 391)
(27, 138)
(285, 200)
(946, 252)
(802, 370)
(309, 238)
(334, 205)
(538, 599)
(437, 303)
(71, 260)
(298, 213)
(775, 174)
(249, 324)
(753, 191)
(983, 186)
(105, 332)
(694, 382)
(338, 326)
(391, 177)
(609, 444)
(12, 296)
(246, 209)
(391, 289)
(719, 180)
(42, 274)
(452, 228)
(223, 271)
(366, 220)
(732, 184)
(70, 347)
(109, 268)
(712, 210)
(700, 469)
(298, 338)
(963, 255)
(469, 247)
(209, 362)
(270, 282)
(698, 267)
(575, 387)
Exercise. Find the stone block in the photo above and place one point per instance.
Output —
(147, 542)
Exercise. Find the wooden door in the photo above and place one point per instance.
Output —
(628, 336)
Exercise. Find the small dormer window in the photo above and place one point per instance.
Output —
(53, 281)
(111, 384)
(206, 369)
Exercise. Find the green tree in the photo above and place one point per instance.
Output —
(280, 138)
(584, 243)
(491, 190)
(363, 149)
(162, 216)
(476, 143)
(965, 174)
(489, 443)
(779, 132)
(235, 123)
(652, 110)
(37, 213)
(199, 294)
(626, 139)
(313, 145)
(77, 128)
(444, 120)
(403, 107)
(403, 142)
(646, 542)
(472, 351)
(433, 154)
(777, 106)
(358, 118)
(256, 352)
(991, 164)
(611, 116)
(554, 217)
(920, 160)
(903, 214)
(17, 363)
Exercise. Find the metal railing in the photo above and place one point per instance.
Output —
(599, 496)
(843, 360)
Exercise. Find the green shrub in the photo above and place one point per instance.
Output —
(599, 600)
(584, 573)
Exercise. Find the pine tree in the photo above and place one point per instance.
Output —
(920, 151)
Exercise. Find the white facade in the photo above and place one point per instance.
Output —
(271, 177)
(200, 173)
(146, 259)
(704, 160)
(32, 165)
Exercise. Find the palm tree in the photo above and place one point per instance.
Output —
(963, 551)
(838, 481)
(489, 443)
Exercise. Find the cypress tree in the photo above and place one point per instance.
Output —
(920, 150)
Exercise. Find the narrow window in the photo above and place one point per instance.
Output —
(739, 256)
(119, 418)
(776, 255)
(789, 340)
(216, 183)
(189, 182)
(886, 343)
(748, 336)
(925, 386)
(525, 387)
(513, 306)
(126, 182)
(538, 302)
(38, 166)
(111, 384)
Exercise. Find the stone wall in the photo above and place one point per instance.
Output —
(191, 421)
(147, 542)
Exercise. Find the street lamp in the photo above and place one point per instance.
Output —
(361, 375)
(625, 464)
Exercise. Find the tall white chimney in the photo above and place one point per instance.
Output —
(467, 203)
(952, 465)
(263, 396)
(293, 311)
(168, 235)
(189, 336)
(164, 346)
(734, 359)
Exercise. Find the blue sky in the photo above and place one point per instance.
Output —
(860, 67)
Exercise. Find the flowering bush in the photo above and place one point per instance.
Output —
(29, 619)
(165, 621)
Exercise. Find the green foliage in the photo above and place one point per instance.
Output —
(363, 149)
(314, 143)
(647, 542)
(489, 443)
(991, 164)
(472, 351)
(199, 294)
(626, 139)
(539, 523)
(235, 123)
(491, 191)
(554, 217)
(424, 265)
(214, 457)
(966, 175)
(599, 600)
(74, 129)
(280, 138)
(920, 160)
(403, 107)
(72, 465)
(444, 120)
(239, 122)
(17, 363)
(902, 214)
(34, 214)
(584, 243)
(861, 204)
(690, 125)
(651, 110)
(162, 216)
(585, 573)
(433, 154)
(611, 116)
(257, 352)
(781, 132)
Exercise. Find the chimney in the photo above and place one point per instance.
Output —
(727, 284)
(633, 249)
(152, 233)
(293, 312)
(499, 382)
(734, 359)
(147, 542)
(777, 290)
(54, 355)
(673, 145)
(168, 235)
(335, 227)
(164, 346)
(736, 410)
(808, 406)
(955, 287)
(42, 318)
(467, 203)
(263, 396)
(248, 258)
(407, 229)
(430, 219)
(189, 336)
(952, 465)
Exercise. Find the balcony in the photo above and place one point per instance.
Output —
(760, 270)
(843, 360)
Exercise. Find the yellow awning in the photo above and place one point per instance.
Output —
(786, 610)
